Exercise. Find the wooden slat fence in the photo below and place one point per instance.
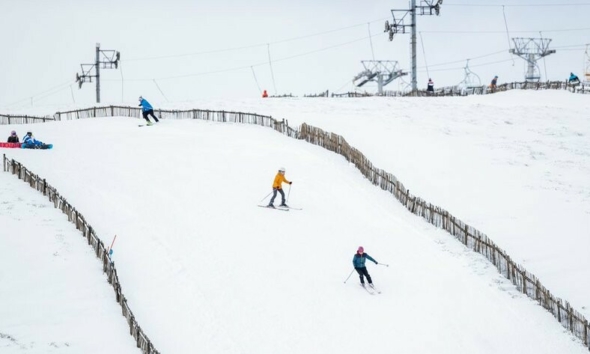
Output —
(472, 238)
(74, 216)
(20, 119)
(525, 282)
(478, 90)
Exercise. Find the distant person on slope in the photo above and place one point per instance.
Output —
(13, 138)
(277, 186)
(264, 94)
(573, 79)
(147, 110)
(494, 84)
(430, 87)
(359, 265)
(29, 142)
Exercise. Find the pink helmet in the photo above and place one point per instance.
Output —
(361, 249)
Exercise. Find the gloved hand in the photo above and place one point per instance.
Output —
(376, 262)
(290, 182)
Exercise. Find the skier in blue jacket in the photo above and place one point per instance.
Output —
(573, 79)
(147, 110)
(358, 261)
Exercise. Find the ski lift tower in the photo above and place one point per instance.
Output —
(531, 50)
(105, 59)
(381, 71)
(426, 7)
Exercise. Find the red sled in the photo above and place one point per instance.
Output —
(10, 145)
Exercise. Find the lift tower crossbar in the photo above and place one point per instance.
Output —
(531, 50)
(105, 59)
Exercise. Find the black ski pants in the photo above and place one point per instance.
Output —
(363, 272)
(146, 114)
(274, 195)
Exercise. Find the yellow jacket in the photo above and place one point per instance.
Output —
(279, 179)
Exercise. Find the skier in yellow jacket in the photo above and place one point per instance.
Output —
(277, 186)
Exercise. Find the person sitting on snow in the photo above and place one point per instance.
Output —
(29, 142)
(573, 79)
(13, 138)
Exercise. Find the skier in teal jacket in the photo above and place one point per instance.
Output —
(358, 261)
(147, 110)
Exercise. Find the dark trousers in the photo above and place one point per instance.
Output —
(363, 272)
(146, 114)
(274, 195)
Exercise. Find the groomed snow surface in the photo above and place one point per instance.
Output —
(53, 295)
(205, 270)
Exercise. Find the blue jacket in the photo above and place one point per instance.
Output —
(359, 260)
(573, 77)
(145, 105)
(30, 140)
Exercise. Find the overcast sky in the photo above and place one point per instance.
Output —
(178, 50)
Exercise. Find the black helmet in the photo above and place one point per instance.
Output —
(29, 133)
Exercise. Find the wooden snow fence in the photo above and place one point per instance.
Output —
(75, 217)
(23, 119)
(472, 238)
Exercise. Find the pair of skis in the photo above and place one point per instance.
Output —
(371, 289)
(281, 208)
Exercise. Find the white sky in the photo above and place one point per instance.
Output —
(44, 43)
(203, 267)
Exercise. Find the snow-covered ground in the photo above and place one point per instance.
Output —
(515, 165)
(204, 268)
(54, 297)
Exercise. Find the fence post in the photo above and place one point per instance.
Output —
(571, 317)
(466, 233)
(508, 273)
(4, 162)
(586, 333)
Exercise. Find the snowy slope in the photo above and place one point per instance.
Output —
(204, 268)
(54, 297)
(515, 165)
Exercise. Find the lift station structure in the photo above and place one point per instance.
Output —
(381, 71)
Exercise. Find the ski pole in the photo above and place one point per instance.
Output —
(289, 192)
(110, 249)
(383, 264)
(265, 197)
(349, 275)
